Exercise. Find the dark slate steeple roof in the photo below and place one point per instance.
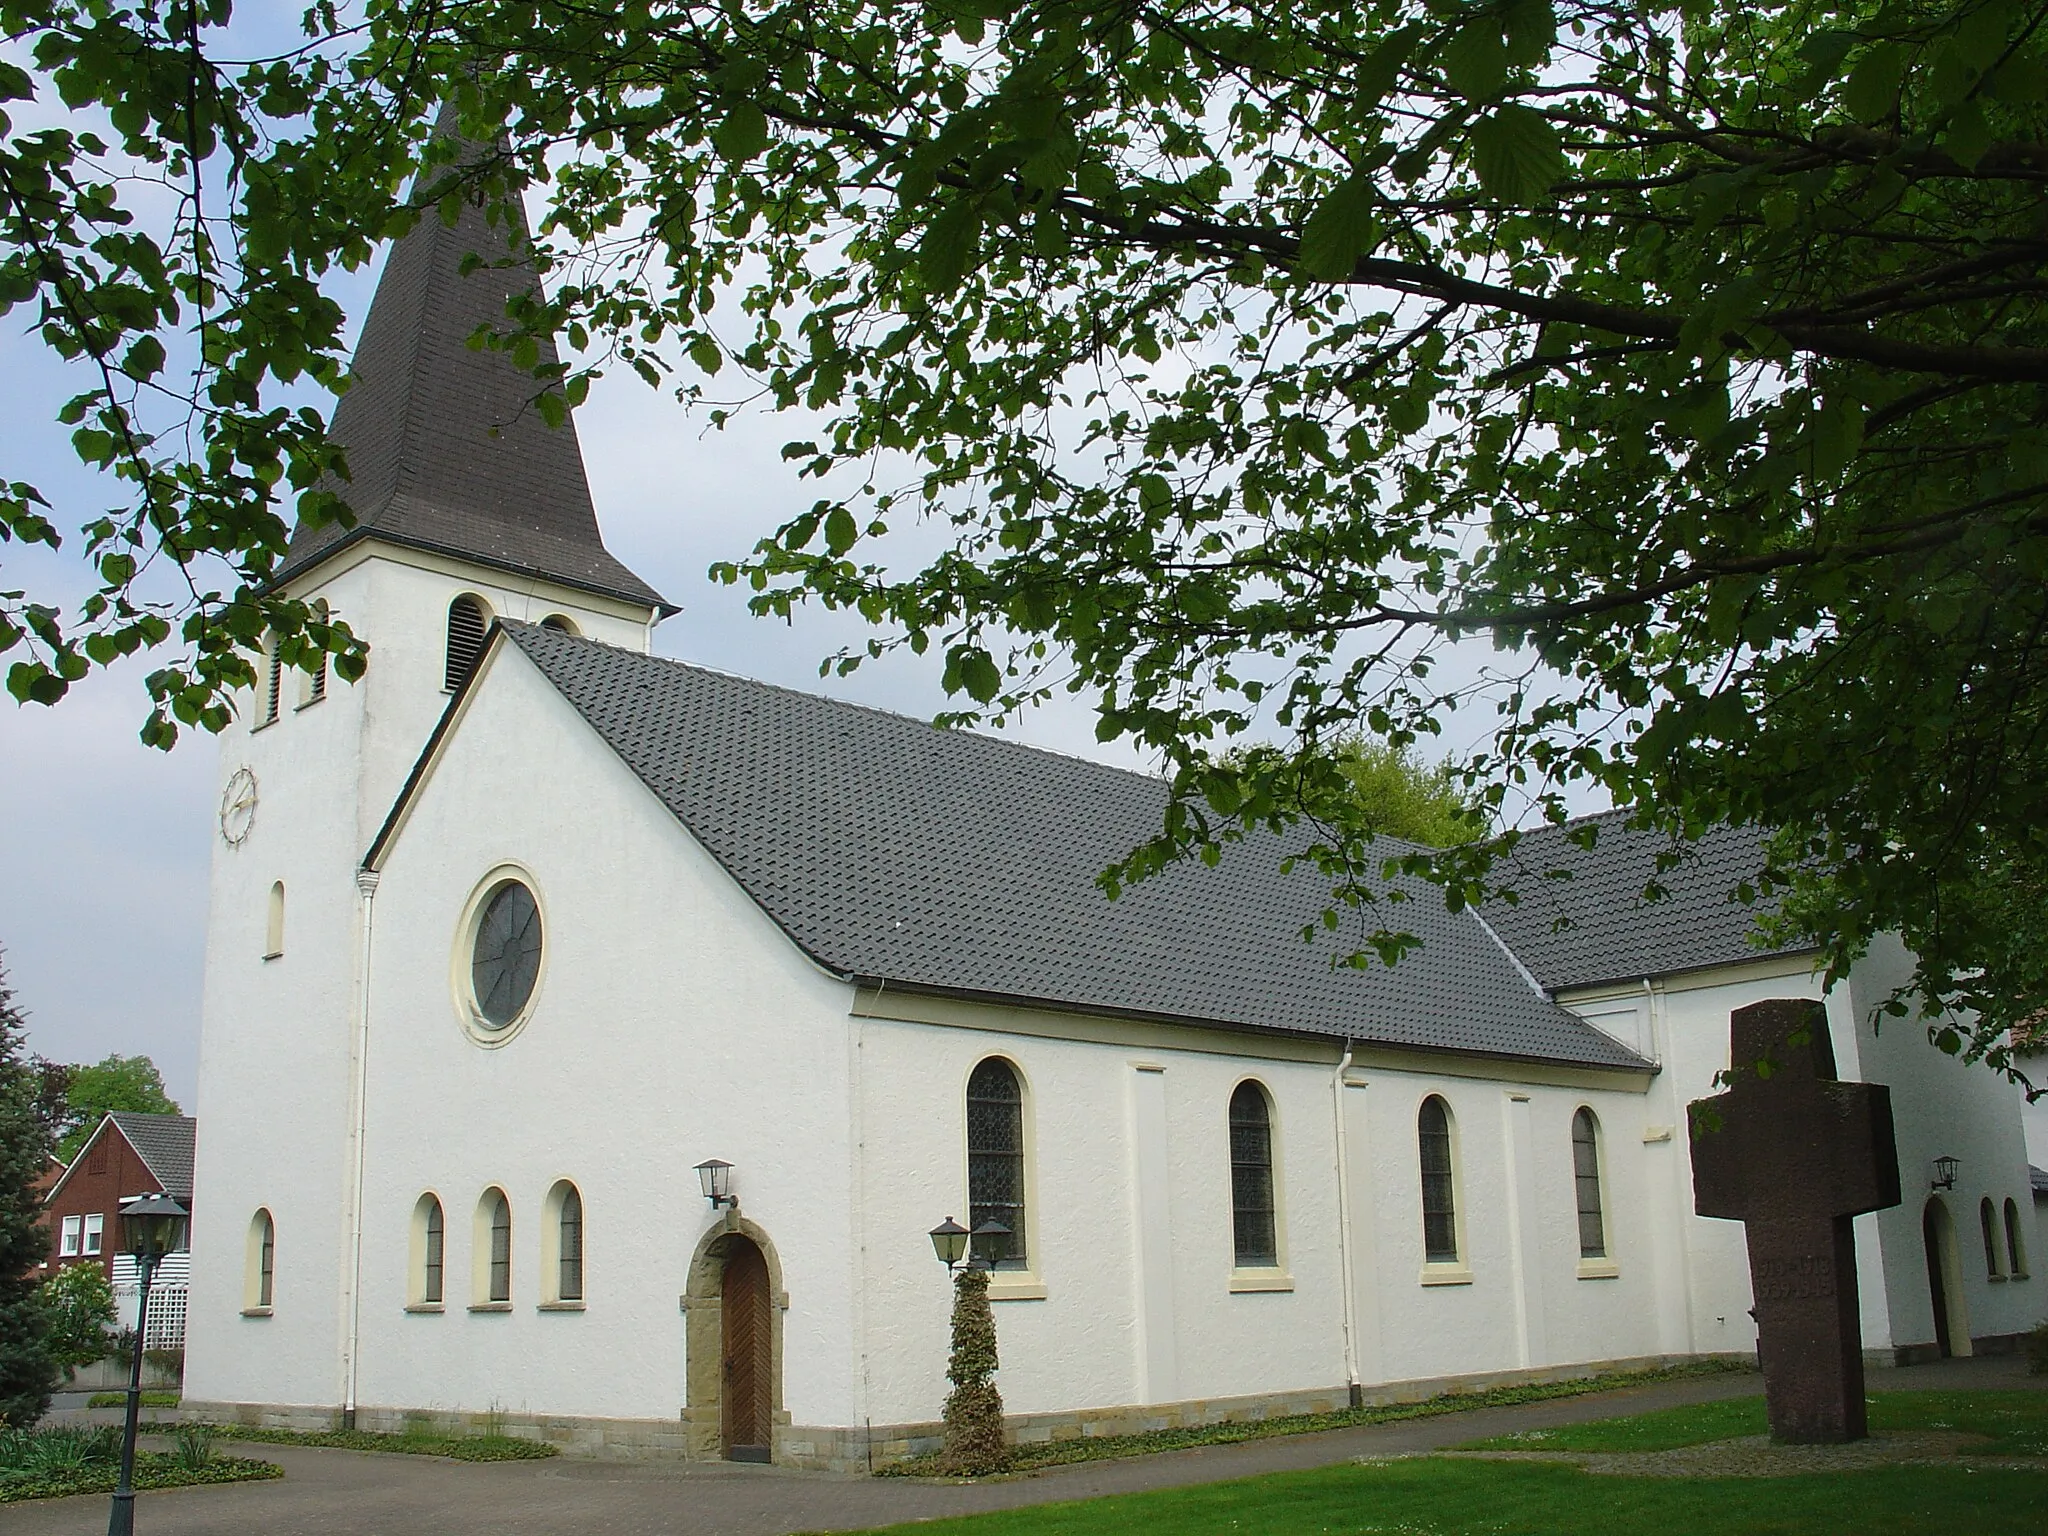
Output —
(447, 451)
(894, 852)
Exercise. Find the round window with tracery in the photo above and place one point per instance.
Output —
(505, 961)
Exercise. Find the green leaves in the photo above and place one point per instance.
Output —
(1516, 154)
(1341, 230)
(743, 134)
(949, 247)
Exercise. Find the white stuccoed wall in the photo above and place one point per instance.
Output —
(276, 1036)
(1941, 1107)
(673, 1023)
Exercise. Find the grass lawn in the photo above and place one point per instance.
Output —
(1427, 1496)
(1052, 1453)
(2016, 1421)
(458, 1447)
(1453, 1498)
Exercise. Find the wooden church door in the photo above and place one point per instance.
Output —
(747, 1377)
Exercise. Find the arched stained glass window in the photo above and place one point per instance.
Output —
(995, 1153)
(433, 1251)
(568, 1242)
(259, 1285)
(1439, 1183)
(1586, 1176)
(497, 1225)
(1252, 1204)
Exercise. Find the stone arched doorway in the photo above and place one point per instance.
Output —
(1945, 1280)
(733, 1310)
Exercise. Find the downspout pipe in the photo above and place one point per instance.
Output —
(359, 1067)
(1344, 1229)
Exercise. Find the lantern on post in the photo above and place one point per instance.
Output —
(949, 1242)
(151, 1226)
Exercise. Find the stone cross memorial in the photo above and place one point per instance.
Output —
(1794, 1155)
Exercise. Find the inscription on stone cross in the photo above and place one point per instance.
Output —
(1793, 1155)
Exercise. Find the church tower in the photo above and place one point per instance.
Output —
(468, 508)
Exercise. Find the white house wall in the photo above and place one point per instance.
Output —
(673, 1024)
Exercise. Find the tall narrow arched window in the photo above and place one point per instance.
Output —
(2015, 1244)
(273, 923)
(1586, 1175)
(562, 1245)
(491, 1268)
(260, 1266)
(429, 1253)
(1254, 1231)
(995, 1153)
(1439, 1183)
(467, 621)
(1987, 1219)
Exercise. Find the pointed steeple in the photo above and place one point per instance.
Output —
(447, 450)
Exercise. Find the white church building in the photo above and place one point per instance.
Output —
(512, 935)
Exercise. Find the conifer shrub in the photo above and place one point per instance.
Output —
(974, 1409)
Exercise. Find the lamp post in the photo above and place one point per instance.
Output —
(149, 1228)
(973, 1445)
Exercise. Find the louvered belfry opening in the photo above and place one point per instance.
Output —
(466, 625)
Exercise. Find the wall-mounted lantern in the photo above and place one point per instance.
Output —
(715, 1174)
(1944, 1173)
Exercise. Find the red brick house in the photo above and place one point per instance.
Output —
(128, 1155)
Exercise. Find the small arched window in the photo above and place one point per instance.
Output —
(429, 1253)
(2015, 1244)
(260, 1267)
(1586, 1175)
(1987, 1218)
(467, 621)
(995, 1153)
(560, 623)
(492, 1268)
(563, 1235)
(1253, 1228)
(1439, 1183)
(273, 923)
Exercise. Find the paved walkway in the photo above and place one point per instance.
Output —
(346, 1493)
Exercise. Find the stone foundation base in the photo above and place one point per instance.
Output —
(857, 1448)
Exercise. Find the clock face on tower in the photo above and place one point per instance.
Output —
(238, 807)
